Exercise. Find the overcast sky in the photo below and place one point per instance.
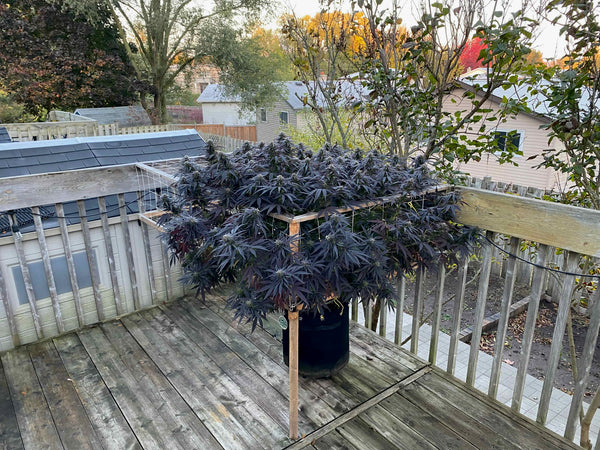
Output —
(548, 40)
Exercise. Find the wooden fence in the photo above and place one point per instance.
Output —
(39, 131)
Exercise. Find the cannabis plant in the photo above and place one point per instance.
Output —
(220, 225)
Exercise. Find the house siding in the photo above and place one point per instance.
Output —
(269, 130)
(534, 140)
(227, 114)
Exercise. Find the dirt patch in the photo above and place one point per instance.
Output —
(546, 319)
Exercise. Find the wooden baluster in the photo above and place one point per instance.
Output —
(564, 303)
(64, 233)
(400, 311)
(110, 256)
(584, 366)
(91, 257)
(437, 314)
(147, 248)
(129, 251)
(484, 281)
(509, 285)
(10, 317)
(537, 288)
(39, 228)
(417, 305)
(18, 240)
(459, 303)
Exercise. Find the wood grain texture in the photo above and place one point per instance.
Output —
(39, 228)
(106, 418)
(91, 258)
(147, 249)
(563, 226)
(10, 437)
(31, 409)
(110, 256)
(70, 418)
(32, 190)
(66, 240)
(131, 269)
(10, 316)
(459, 301)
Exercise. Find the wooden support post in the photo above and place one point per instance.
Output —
(459, 302)
(418, 303)
(10, 317)
(293, 374)
(294, 230)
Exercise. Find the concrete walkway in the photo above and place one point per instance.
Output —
(560, 401)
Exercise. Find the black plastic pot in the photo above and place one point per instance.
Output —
(323, 341)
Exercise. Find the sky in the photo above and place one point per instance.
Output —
(548, 40)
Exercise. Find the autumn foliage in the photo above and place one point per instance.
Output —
(470, 56)
(53, 59)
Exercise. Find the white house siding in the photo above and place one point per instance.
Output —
(23, 318)
(269, 130)
(534, 140)
(226, 113)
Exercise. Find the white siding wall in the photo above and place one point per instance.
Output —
(25, 327)
(534, 141)
(226, 113)
(269, 130)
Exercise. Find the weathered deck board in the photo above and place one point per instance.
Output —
(9, 429)
(185, 375)
(33, 415)
(74, 427)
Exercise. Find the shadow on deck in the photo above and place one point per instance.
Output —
(182, 376)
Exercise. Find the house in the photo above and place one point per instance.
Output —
(220, 108)
(291, 110)
(126, 116)
(525, 130)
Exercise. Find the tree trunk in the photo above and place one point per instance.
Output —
(159, 115)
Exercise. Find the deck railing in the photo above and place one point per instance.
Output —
(90, 218)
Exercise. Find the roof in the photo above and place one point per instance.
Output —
(537, 103)
(349, 91)
(4, 136)
(215, 93)
(34, 157)
(295, 92)
(132, 115)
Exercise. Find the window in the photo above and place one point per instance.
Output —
(263, 115)
(61, 277)
(283, 117)
(514, 138)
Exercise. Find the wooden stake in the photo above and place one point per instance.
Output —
(293, 372)
(294, 229)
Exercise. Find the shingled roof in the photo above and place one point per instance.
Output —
(127, 116)
(35, 157)
(58, 155)
(4, 136)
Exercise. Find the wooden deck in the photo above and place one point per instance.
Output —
(182, 376)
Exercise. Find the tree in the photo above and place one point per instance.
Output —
(409, 77)
(54, 58)
(471, 56)
(570, 92)
(324, 49)
(170, 35)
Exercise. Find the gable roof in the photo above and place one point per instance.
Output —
(4, 136)
(132, 115)
(34, 157)
(215, 93)
(349, 91)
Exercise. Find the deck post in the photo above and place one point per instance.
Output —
(294, 230)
